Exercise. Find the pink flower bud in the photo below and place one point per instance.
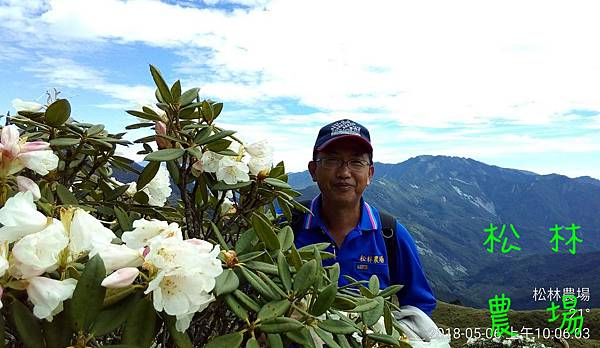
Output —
(161, 128)
(121, 278)
(26, 184)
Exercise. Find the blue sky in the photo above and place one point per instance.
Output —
(509, 83)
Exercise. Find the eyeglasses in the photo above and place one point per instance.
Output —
(334, 163)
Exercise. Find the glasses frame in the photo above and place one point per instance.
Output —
(341, 163)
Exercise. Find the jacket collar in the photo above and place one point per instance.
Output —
(367, 222)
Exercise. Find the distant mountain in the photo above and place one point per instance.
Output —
(446, 202)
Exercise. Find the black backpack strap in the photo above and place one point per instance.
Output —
(388, 229)
(298, 216)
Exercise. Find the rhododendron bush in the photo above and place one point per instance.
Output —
(86, 260)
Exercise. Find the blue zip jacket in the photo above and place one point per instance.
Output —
(363, 253)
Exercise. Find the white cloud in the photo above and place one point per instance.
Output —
(395, 66)
(428, 63)
(62, 72)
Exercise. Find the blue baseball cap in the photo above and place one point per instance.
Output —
(343, 129)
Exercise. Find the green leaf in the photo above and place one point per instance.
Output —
(148, 173)
(144, 115)
(176, 90)
(384, 339)
(109, 319)
(274, 309)
(390, 290)
(202, 135)
(284, 273)
(371, 316)
(262, 266)
(294, 258)
(161, 84)
(324, 300)
(252, 343)
(245, 242)
(274, 287)
(301, 337)
(258, 284)
(286, 238)
(139, 125)
(57, 333)
(265, 231)
(123, 219)
(279, 325)
(164, 155)
(116, 193)
(388, 320)
(27, 326)
(207, 111)
(181, 339)
(221, 146)
(374, 284)
(222, 186)
(95, 129)
(246, 300)
(140, 325)
(305, 277)
(274, 341)
(89, 294)
(232, 340)
(251, 255)
(219, 236)
(173, 171)
(216, 137)
(277, 183)
(343, 303)
(337, 326)
(141, 197)
(236, 307)
(58, 112)
(365, 305)
(343, 341)
(226, 282)
(217, 108)
(59, 142)
(66, 196)
(334, 273)
(189, 96)
(326, 337)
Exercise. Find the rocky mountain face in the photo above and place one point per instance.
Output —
(447, 202)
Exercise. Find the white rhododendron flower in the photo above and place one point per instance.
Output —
(22, 105)
(260, 164)
(121, 278)
(20, 217)
(186, 272)
(47, 295)
(158, 189)
(3, 259)
(132, 189)
(145, 230)
(86, 232)
(41, 162)
(116, 256)
(16, 154)
(25, 184)
(231, 171)
(210, 162)
(178, 293)
(39, 252)
(260, 149)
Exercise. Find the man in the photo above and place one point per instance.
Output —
(342, 166)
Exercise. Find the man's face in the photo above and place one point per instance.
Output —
(342, 185)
